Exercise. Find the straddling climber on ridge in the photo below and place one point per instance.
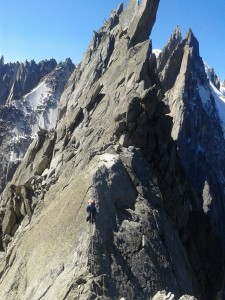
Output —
(91, 211)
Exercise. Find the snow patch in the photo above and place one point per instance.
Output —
(222, 89)
(208, 71)
(14, 157)
(40, 105)
(19, 104)
(107, 160)
(16, 146)
(220, 104)
(218, 95)
(39, 109)
(37, 96)
(48, 118)
(204, 93)
(156, 52)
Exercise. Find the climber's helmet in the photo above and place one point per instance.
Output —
(91, 201)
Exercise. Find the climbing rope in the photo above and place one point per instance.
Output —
(92, 245)
(82, 201)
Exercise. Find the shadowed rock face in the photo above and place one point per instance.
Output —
(115, 141)
(214, 78)
(200, 142)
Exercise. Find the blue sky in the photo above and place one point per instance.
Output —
(43, 29)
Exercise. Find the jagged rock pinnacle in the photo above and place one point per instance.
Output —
(192, 42)
(141, 26)
(2, 60)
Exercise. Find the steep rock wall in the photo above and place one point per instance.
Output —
(200, 143)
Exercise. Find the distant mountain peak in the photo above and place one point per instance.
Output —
(2, 60)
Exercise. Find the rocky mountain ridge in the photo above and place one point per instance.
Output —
(17, 79)
(30, 107)
(135, 133)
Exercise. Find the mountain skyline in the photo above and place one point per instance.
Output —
(47, 30)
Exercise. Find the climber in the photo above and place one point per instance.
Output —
(91, 211)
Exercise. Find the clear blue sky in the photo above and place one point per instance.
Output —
(43, 29)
